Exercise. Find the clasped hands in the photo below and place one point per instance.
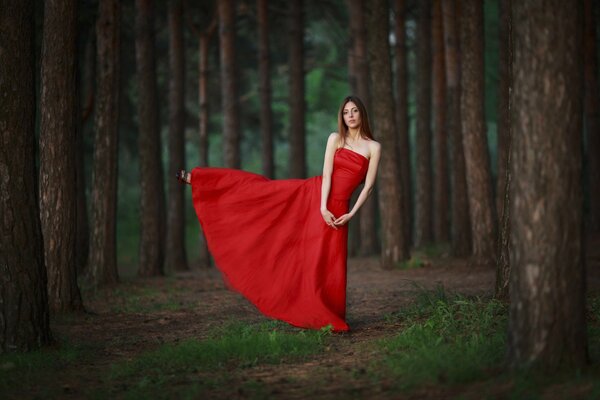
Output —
(334, 222)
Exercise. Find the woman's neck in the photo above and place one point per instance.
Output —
(353, 133)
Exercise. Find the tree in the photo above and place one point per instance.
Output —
(103, 237)
(264, 67)
(24, 315)
(547, 291)
(58, 134)
(423, 195)
(229, 89)
(477, 161)
(176, 258)
(152, 209)
(394, 247)
(297, 106)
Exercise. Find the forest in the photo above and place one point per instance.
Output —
(473, 268)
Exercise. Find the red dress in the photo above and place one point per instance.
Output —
(271, 244)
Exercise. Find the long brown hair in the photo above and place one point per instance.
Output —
(365, 127)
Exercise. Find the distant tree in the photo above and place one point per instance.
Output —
(176, 258)
(152, 209)
(103, 241)
(547, 291)
(229, 88)
(477, 159)
(441, 227)
(264, 67)
(24, 321)
(58, 135)
(394, 247)
(423, 196)
(296, 102)
(460, 237)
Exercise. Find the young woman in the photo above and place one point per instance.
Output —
(283, 243)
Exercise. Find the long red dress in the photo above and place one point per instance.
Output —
(271, 244)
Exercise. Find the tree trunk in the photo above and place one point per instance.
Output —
(394, 247)
(24, 320)
(297, 106)
(592, 116)
(152, 209)
(264, 66)
(477, 160)
(441, 227)
(176, 258)
(547, 290)
(401, 57)
(58, 135)
(460, 237)
(423, 223)
(103, 242)
(229, 89)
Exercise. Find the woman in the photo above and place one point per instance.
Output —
(268, 237)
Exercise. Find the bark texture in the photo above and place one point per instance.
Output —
(547, 291)
(297, 106)
(264, 67)
(24, 316)
(58, 135)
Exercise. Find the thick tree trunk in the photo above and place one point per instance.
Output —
(394, 247)
(423, 200)
(176, 258)
(547, 291)
(152, 209)
(477, 160)
(264, 66)
(592, 115)
(229, 89)
(24, 321)
(58, 135)
(297, 106)
(103, 242)
(441, 227)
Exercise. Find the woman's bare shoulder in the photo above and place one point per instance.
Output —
(374, 145)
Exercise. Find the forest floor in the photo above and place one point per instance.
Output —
(138, 316)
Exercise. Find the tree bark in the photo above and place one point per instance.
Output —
(441, 227)
(394, 247)
(460, 234)
(58, 135)
(264, 66)
(24, 315)
(176, 258)
(103, 241)
(152, 209)
(547, 290)
(229, 88)
(297, 106)
(424, 189)
(477, 160)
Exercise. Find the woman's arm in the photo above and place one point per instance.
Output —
(375, 149)
(326, 183)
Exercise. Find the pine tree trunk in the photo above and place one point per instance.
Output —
(24, 316)
(424, 189)
(297, 106)
(264, 66)
(58, 135)
(229, 89)
(477, 160)
(394, 247)
(152, 209)
(176, 258)
(441, 227)
(547, 313)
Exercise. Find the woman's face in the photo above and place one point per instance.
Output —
(351, 115)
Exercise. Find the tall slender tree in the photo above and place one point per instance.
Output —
(176, 258)
(152, 209)
(477, 160)
(58, 134)
(264, 66)
(103, 238)
(296, 102)
(547, 290)
(24, 321)
(394, 247)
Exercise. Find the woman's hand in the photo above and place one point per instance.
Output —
(329, 218)
(342, 220)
